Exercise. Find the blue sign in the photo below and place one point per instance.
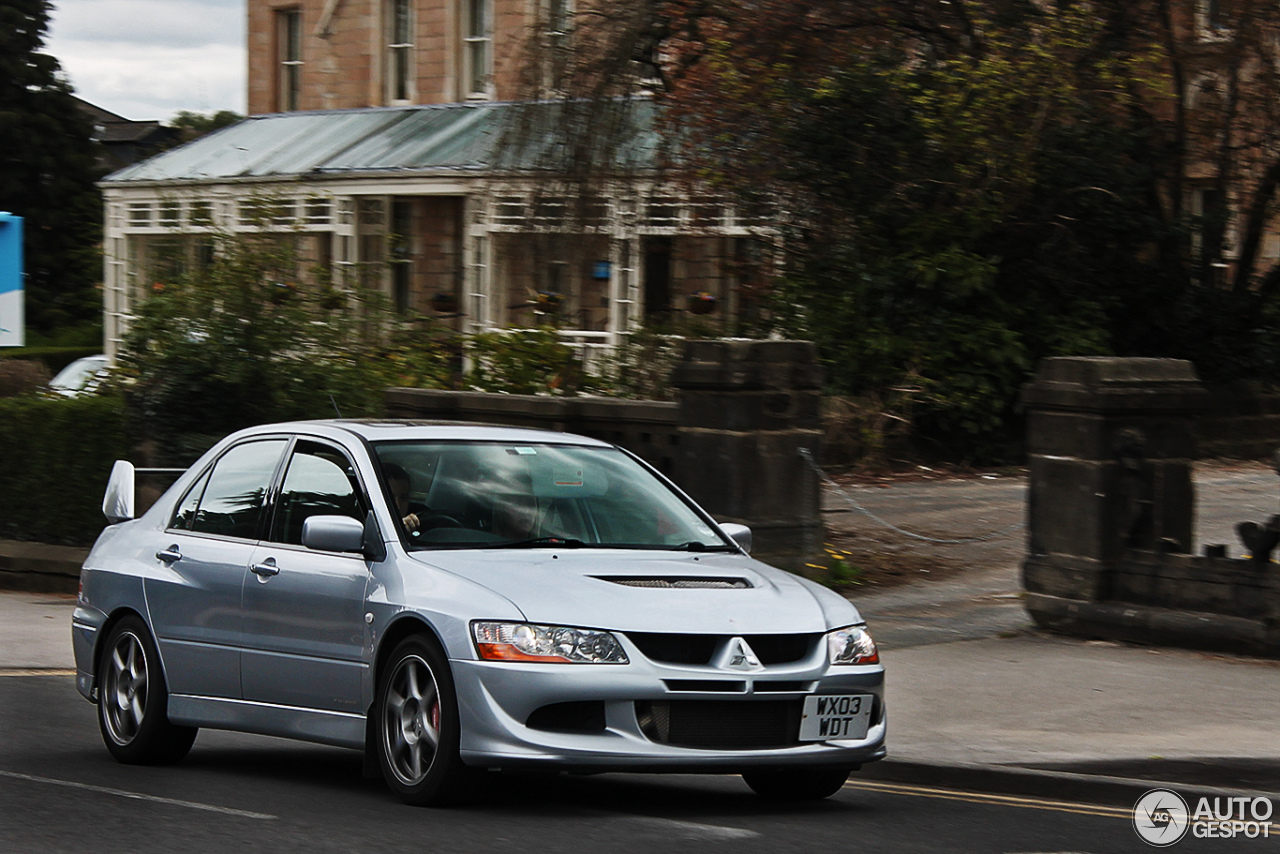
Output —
(11, 314)
(600, 270)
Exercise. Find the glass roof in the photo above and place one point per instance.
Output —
(470, 137)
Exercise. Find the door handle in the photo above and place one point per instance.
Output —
(170, 555)
(266, 569)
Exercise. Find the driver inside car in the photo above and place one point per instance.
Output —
(414, 516)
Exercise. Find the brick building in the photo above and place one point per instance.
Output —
(377, 140)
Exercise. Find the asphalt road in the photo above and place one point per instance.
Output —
(60, 791)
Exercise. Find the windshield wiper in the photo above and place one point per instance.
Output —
(536, 542)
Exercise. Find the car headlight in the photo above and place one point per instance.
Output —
(549, 644)
(852, 645)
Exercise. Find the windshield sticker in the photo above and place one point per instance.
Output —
(521, 452)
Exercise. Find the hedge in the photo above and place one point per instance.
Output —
(55, 456)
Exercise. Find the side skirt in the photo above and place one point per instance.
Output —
(341, 729)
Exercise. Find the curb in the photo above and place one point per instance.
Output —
(1058, 785)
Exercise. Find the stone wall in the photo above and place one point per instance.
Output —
(1110, 510)
(1241, 423)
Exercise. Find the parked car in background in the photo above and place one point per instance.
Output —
(80, 377)
(454, 599)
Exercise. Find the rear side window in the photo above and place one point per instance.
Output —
(228, 501)
(185, 516)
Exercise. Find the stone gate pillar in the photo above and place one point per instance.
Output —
(1110, 446)
(746, 408)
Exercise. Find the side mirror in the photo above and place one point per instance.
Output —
(118, 503)
(373, 546)
(333, 534)
(740, 534)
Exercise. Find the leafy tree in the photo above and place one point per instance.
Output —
(252, 338)
(47, 173)
(964, 187)
(195, 125)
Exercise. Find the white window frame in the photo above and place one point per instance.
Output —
(477, 49)
(401, 79)
(289, 52)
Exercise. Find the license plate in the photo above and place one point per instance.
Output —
(832, 716)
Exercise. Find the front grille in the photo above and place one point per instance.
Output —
(701, 649)
(676, 649)
(782, 649)
(579, 716)
(721, 724)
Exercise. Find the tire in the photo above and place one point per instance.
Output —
(796, 784)
(417, 727)
(133, 702)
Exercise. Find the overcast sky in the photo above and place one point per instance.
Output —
(148, 59)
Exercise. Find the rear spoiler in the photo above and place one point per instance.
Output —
(118, 503)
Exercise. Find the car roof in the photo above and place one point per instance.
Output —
(399, 430)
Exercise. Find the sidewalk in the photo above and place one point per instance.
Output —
(35, 631)
(978, 698)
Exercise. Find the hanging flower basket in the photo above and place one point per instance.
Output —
(445, 302)
(702, 303)
(547, 302)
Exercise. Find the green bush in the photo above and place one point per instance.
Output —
(526, 361)
(57, 456)
(254, 337)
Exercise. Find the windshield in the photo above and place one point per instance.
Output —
(490, 495)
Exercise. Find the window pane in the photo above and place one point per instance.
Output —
(400, 73)
(479, 62)
(320, 482)
(185, 516)
(232, 502)
(490, 493)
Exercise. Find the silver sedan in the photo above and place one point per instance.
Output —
(457, 599)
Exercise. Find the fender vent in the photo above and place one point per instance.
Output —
(679, 583)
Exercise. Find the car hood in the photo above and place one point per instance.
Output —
(595, 588)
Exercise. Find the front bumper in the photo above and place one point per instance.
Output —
(496, 700)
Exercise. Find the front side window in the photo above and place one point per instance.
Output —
(228, 500)
(491, 495)
(320, 481)
(399, 51)
(289, 51)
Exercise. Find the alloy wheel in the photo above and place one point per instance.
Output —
(124, 699)
(411, 719)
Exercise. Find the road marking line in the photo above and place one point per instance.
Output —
(697, 829)
(1000, 800)
(36, 671)
(995, 800)
(137, 796)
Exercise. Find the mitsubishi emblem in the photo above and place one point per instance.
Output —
(738, 656)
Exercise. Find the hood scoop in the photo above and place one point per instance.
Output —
(675, 582)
